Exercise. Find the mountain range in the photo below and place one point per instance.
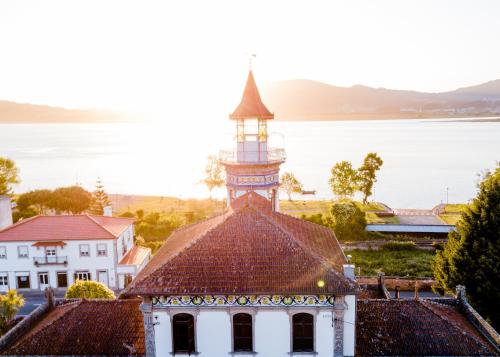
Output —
(311, 100)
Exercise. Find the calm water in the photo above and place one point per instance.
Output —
(421, 158)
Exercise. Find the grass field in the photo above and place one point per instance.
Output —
(452, 213)
(405, 263)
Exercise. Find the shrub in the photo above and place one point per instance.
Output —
(89, 290)
(348, 221)
(10, 303)
(398, 246)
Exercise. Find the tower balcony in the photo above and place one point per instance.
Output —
(245, 156)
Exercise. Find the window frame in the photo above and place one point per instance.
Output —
(194, 342)
(80, 250)
(99, 250)
(4, 255)
(23, 274)
(19, 252)
(293, 349)
(57, 278)
(89, 276)
(233, 330)
(4, 275)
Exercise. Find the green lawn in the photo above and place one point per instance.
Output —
(406, 263)
(452, 213)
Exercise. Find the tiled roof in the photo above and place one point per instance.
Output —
(251, 105)
(247, 250)
(416, 328)
(135, 256)
(61, 228)
(86, 327)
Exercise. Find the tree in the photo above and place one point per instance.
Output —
(343, 181)
(367, 174)
(39, 199)
(347, 221)
(73, 199)
(10, 303)
(9, 175)
(89, 290)
(99, 199)
(471, 255)
(214, 174)
(290, 184)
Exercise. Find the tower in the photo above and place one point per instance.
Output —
(252, 165)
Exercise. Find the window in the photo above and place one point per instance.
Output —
(4, 280)
(22, 251)
(124, 247)
(84, 250)
(62, 279)
(3, 253)
(183, 333)
(50, 251)
(303, 333)
(242, 333)
(23, 281)
(43, 279)
(82, 275)
(101, 250)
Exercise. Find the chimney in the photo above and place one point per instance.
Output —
(397, 289)
(349, 271)
(5, 212)
(108, 211)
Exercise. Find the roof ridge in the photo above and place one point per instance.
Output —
(100, 225)
(316, 256)
(20, 222)
(424, 303)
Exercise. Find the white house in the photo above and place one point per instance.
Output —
(55, 251)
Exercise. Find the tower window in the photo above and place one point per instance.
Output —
(242, 333)
(183, 333)
(303, 333)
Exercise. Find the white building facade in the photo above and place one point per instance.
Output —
(55, 251)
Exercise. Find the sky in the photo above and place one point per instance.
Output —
(189, 58)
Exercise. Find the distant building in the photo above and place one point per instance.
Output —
(5, 212)
(54, 251)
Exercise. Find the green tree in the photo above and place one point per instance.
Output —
(9, 175)
(347, 221)
(471, 257)
(367, 175)
(10, 303)
(89, 290)
(99, 199)
(214, 174)
(73, 199)
(290, 184)
(37, 199)
(343, 180)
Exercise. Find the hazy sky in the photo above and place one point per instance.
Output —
(188, 57)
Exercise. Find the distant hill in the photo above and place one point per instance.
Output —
(11, 112)
(310, 100)
(306, 99)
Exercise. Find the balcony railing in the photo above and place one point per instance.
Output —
(270, 155)
(50, 260)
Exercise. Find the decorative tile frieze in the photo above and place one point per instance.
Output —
(243, 300)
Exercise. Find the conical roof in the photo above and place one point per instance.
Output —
(251, 105)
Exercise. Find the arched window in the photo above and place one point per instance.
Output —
(183, 333)
(303, 333)
(242, 333)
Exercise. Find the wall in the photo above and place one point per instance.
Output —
(272, 330)
(5, 212)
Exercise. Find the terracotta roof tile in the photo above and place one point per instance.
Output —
(85, 327)
(415, 328)
(135, 256)
(61, 228)
(247, 250)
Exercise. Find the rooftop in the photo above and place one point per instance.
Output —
(135, 256)
(416, 328)
(65, 227)
(251, 106)
(85, 327)
(250, 249)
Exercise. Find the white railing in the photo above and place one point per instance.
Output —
(267, 156)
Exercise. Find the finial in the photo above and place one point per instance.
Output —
(251, 58)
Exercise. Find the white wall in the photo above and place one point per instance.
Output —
(272, 332)
(350, 325)
(5, 212)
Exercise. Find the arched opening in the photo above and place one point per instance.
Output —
(303, 332)
(183, 333)
(242, 333)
